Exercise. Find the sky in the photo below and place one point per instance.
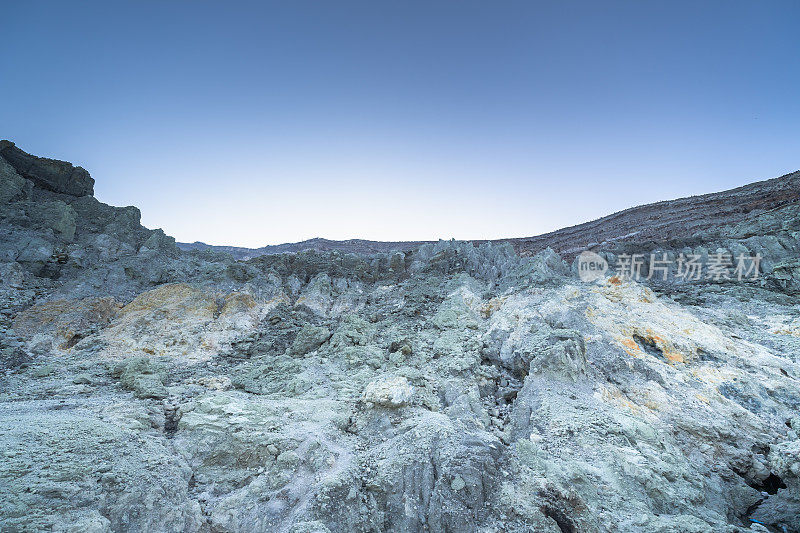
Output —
(260, 123)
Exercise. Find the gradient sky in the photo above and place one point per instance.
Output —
(253, 124)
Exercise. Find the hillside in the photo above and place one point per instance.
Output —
(440, 387)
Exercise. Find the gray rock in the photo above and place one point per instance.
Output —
(145, 379)
(13, 187)
(309, 339)
(33, 249)
(57, 216)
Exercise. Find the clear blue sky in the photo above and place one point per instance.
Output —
(260, 123)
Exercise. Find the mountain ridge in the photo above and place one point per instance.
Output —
(684, 218)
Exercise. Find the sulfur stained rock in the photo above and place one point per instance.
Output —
(182, 321)
(64, 323)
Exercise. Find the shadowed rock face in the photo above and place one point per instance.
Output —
(442, 387)
(50, 174)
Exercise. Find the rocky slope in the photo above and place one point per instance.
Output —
(684, 218)
(451, 387)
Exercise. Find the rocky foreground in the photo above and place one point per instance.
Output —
(447, 387)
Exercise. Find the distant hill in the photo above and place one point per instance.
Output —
(671, 219)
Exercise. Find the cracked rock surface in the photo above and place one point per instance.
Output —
(443, 387)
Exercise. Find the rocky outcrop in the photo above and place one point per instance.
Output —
(49, 174)
(52, 227)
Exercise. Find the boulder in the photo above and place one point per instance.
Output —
(388, 392)
(144, 378)
(309, 339)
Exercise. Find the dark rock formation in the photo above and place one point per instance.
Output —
(50, 174)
